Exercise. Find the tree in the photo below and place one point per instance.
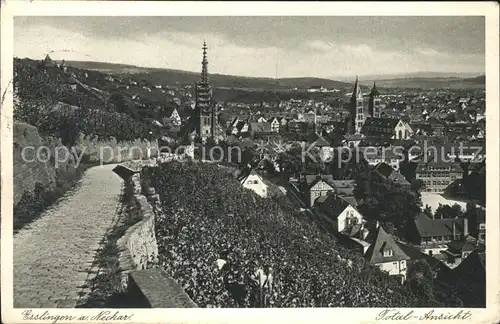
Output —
(428, 211)
(448, 212)
(417, 185)
(374, 193)
(421, 282)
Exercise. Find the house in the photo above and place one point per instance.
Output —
(458, 250)
(439, 268)
(437, 175)
(172, 115)
(433, 235)
(344, 187)
(241, 128)
(284, 121)
(388, 127)
(48, 63)
(385, 253)
(315, 186)
(386, 172)
(403, 130)
(250, 179)
(438, 127)
(261, 119)
(341, 210)
(259, 129)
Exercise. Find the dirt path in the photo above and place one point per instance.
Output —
(54, 256)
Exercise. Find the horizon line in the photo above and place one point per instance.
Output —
(477, 74)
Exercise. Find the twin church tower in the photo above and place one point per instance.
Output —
(361, 107)
(204, 121)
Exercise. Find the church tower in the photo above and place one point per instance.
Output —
(204, 107)
(357, 114)
(374, 102)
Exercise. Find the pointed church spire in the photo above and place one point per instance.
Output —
(204, 64)
(357, 90)
(374, 91)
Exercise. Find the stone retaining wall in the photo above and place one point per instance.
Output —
(150, 288)
(138, 245)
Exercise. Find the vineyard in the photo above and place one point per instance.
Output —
(208, 216)
(58, 104)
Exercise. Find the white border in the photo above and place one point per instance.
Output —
(367, 315)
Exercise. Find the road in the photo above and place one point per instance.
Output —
(54, 255)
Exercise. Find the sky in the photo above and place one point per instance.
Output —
(290, 46)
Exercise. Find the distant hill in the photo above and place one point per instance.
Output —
(422, 80)
(411, 75)
(428, 83)
(171, 76)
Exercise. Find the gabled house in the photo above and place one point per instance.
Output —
(241, 128)
(385, 253)
(172, 115)
(458, 250)
(275, 124)
(433, 235)
(250, 179)
(341, 210)
(315, 186)
(48, 63)
(261, 119)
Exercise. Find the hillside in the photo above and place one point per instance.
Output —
(208, 216)
(65, 103)
(171, 77)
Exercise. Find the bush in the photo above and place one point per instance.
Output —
(33, 204)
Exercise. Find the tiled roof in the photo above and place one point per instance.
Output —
(461, 246)
(260, 127)
(384, 241)
(321, 142)
(312, 179)
(331, 205)
(428, 227)
(350, 200)
(381, 122)
(415, 254)
(344, 187)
